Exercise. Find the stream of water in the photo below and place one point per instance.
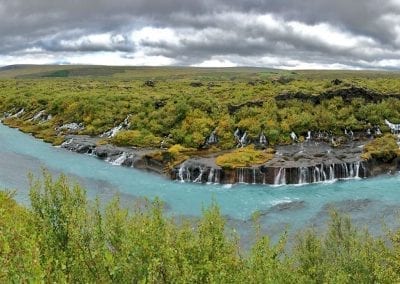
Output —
(370, 202)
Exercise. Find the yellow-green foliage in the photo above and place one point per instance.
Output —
(19, 247)
(383, 148)
(135, 138)
(177, 150)
(177, 154)
(101, 98)
(244, 157)
(64, 238)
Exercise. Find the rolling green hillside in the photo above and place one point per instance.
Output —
(182, 105)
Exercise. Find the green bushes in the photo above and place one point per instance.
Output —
(384, 149)
(136, 138)
(64, 238)
(244, 157)
(187, 115)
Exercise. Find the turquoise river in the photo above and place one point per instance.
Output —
(370, 202)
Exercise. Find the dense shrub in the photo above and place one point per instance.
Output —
(136, 138)
(384, 149)
(64, 238)
(244, 157)
(188, 115)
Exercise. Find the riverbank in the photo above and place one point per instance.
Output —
(300, 163)
(281, 208)
(189, 124)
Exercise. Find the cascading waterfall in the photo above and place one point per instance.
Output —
(18, 114)
(67, 142)
(358, 170)
(183, 173)
(316, 174)
(200, 176)
(352, 170)
(280, 178)
(320, 173)
(323, 174)
(112, 132)
(217, 175)
(120, 160)
(211, 174)
(346, 170)
(240, 174)
(303, 175)
(332, 172)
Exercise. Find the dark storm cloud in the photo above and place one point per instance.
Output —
(291, 33)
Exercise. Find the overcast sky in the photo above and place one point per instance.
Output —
(293, 34)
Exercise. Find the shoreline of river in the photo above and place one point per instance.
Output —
(301, 163)
(298, 163)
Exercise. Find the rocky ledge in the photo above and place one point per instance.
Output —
(121, 156)
(300, 163)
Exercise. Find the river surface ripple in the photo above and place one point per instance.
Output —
(370, 202)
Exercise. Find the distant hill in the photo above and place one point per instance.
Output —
(63, 71)
(177, 73)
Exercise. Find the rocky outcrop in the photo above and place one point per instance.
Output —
(196, 84)
(124, 125)
(150, 83)
(120, 156)
(302, 163)
(347, 94)
(377, 167)
(72, 127)
(270, 175)
(234, 108)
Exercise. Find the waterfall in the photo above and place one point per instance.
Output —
(18, 114)
(212, 139)
(112, 132)
(67, 142)
(40, 114)
(217, 175)
(303, 175)
(280, 178)
(351, 170)
(119, 161)
(211, 176)
(198, 173)
(332, 172)
(181, 173)
(240, 174)
(358, 169)
(316, 174)
(324, 173)
(200, 176)
(346, 170)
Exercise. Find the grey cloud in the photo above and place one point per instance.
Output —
(205, 29)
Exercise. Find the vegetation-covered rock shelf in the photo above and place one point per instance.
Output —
(172, 115)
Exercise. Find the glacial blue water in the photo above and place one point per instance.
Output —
(369, 201)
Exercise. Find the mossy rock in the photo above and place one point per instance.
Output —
(244, 157)
(383, 149)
